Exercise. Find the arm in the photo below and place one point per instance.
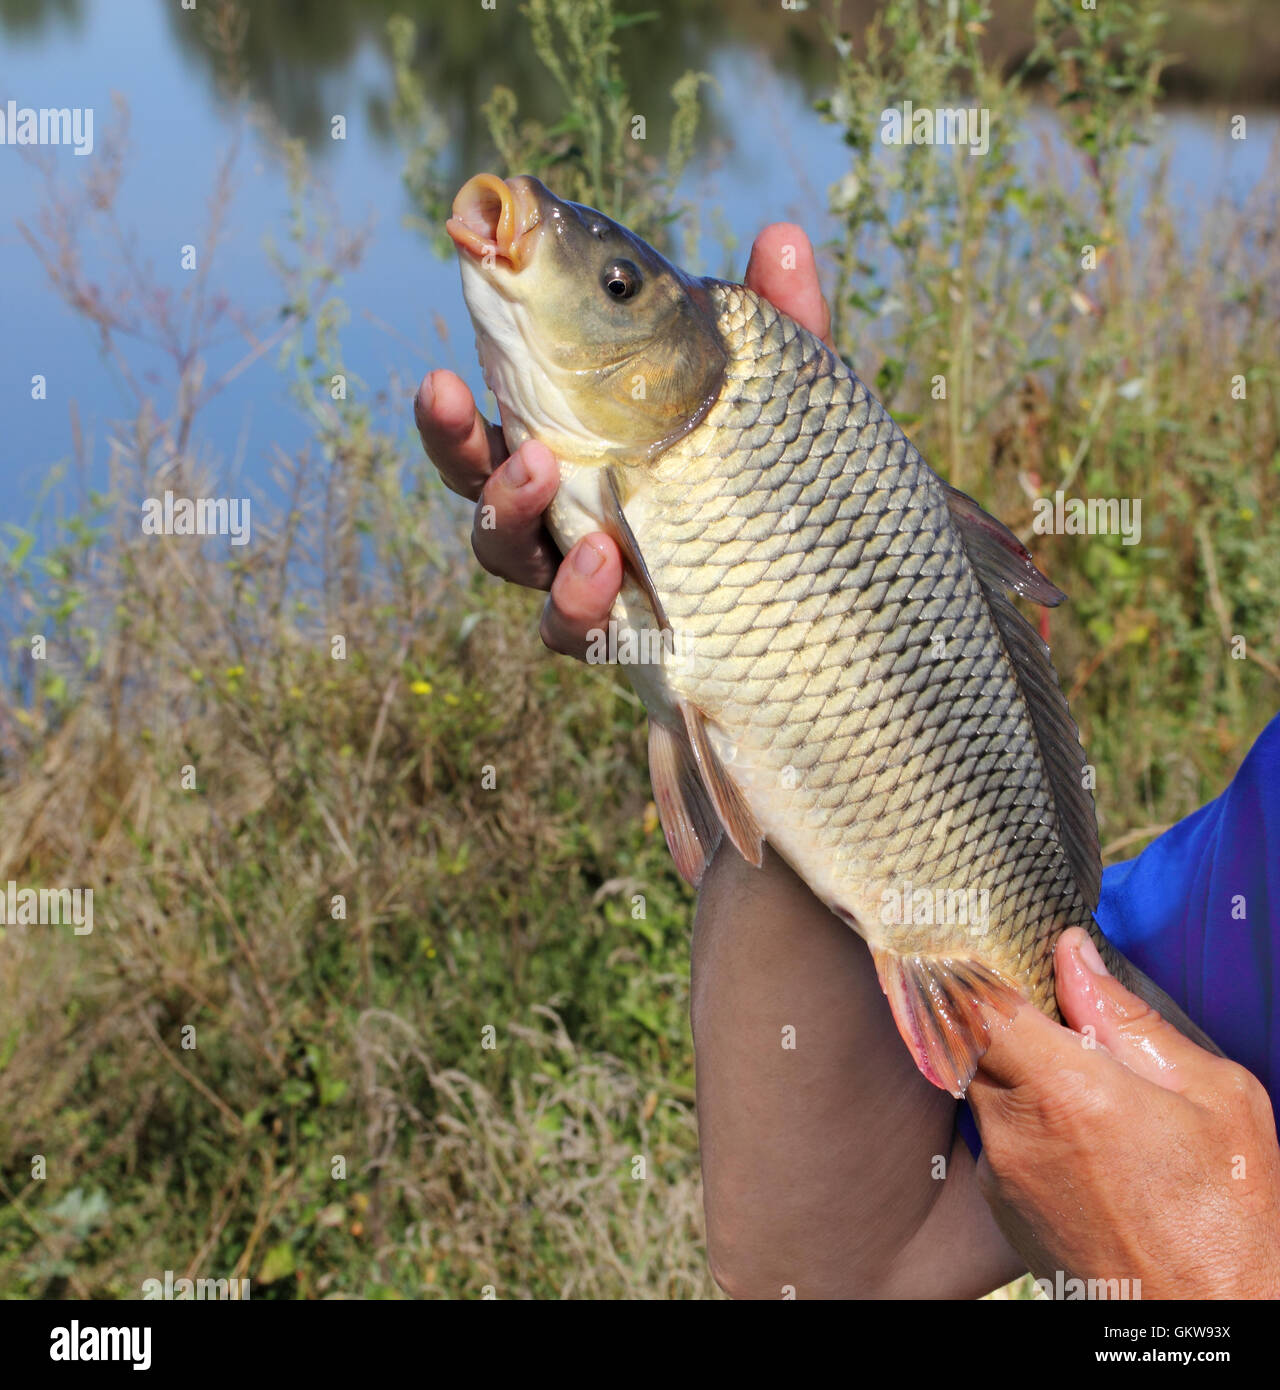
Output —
(820, 1162)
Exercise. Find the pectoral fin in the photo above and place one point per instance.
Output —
(730, 805)
(619, 529)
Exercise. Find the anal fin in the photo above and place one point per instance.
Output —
(730, 806)
(938, 1004)
(688, 818)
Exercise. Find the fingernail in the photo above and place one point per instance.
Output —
(587, 560)
(516, 470)
(426, 393)
(1090, 956)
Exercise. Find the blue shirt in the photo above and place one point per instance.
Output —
(1199, 911)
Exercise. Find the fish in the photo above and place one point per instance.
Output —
(836, 663)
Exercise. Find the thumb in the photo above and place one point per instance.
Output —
(1095, 1003)
(783, 269)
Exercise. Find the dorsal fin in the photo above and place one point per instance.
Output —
(1003, 563)
(997, 554)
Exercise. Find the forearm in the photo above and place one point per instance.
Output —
(819, 1149)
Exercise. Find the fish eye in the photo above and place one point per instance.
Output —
(621, 280)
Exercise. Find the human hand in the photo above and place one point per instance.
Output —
(1122, 1150)
(471, 456)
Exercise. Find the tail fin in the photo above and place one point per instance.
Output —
(1150, 993)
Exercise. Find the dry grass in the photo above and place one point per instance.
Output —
(467, 908)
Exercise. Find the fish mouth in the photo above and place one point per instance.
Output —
(497, 221)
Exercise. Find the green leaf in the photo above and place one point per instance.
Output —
(332, 1089)
(295, 1092)
(278, 1263)
(25, 541)
(625, 21)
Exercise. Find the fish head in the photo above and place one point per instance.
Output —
(590, 340)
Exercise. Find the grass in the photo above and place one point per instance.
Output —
(392, 1001)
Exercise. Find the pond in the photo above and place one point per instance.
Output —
(763, 154)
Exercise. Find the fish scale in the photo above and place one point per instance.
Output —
(885, 737)
(862, 693)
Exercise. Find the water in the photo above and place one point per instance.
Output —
(767, 156)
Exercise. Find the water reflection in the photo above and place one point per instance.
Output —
(30, 18)
(293, 54)
(301, 56)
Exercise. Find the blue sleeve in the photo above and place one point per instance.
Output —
(1199, 911)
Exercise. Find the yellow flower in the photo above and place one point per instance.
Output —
(421, 687)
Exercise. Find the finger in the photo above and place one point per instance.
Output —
(782, 268)
(1096, 1004)
(1039, 1078)
(1027, 1050)
(508, 535)
(461, 443)
(583, 595)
